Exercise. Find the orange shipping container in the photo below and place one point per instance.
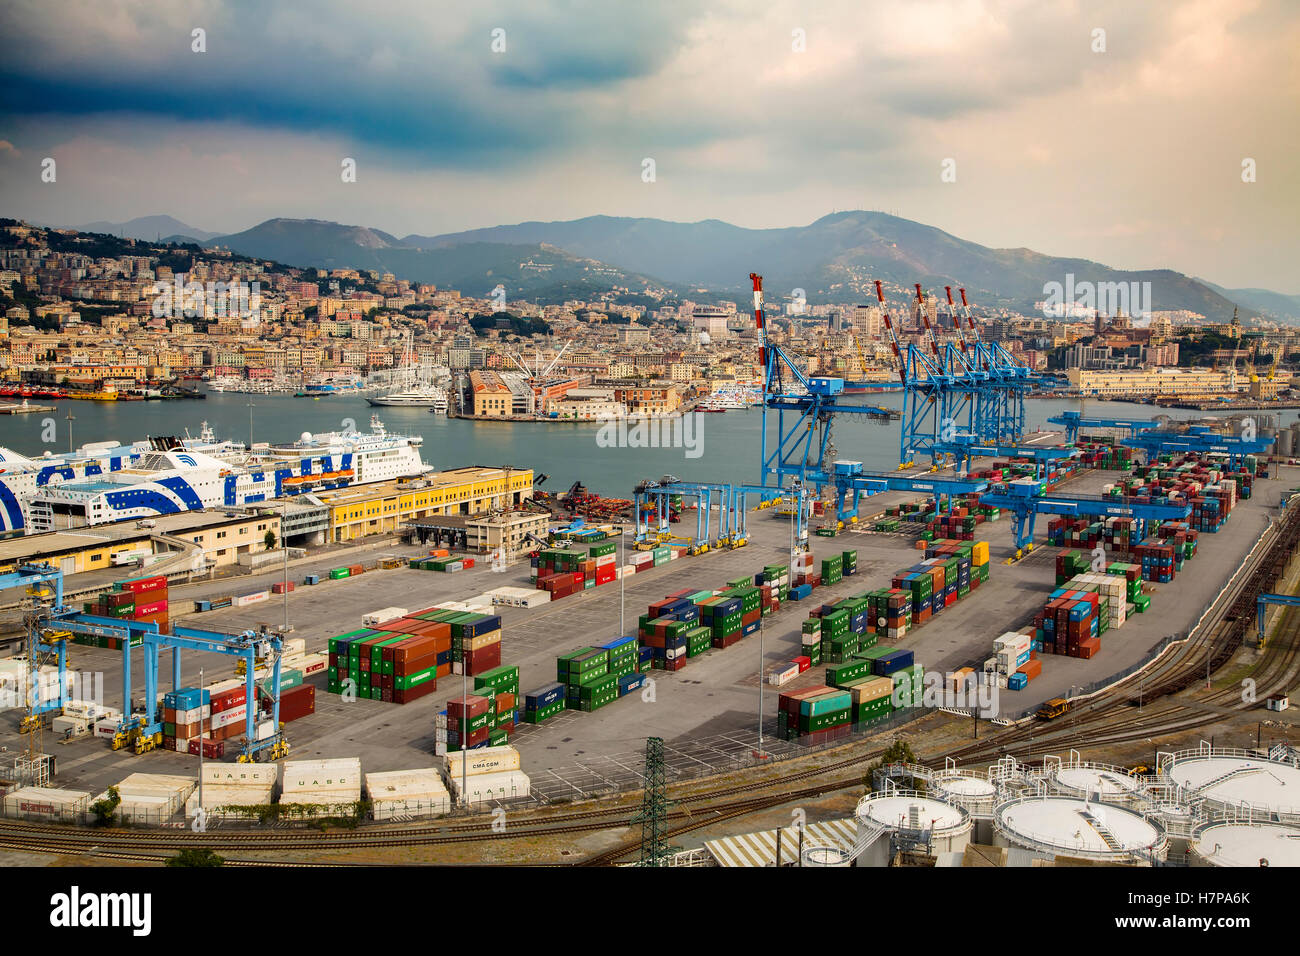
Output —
(1031, 668)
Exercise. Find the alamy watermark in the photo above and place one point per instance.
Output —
(1108, 298)
(936, 689)
(193, 300)
(650, 431)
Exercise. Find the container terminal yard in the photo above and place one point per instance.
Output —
(728, 652)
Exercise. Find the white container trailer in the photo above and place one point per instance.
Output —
(483, 760)
(383, 614)
(340, 776)
(485, 787)
(46, 803)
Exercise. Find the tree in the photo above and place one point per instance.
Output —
(104, 809)
(900, 751)
(269, 540)
(195, 857)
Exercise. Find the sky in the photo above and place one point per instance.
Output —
(1125, 146)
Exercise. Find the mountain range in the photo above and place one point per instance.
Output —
(835, 258)
(148, 228)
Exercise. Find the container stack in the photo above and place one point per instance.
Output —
(832, 569)
(543, 703)
(407, 794)
(234, 785)
(464, 725)
(1071, 623)
(486, 775)
(397, 661)
(501, 688)
(332, 783)
(152, 798)
(136, 599)
(889, 612)
(817, 714)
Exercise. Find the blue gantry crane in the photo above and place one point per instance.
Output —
(143, 732)
(1200, 440)
(1026, 499)
(43, 582)
(805, 409)
(1074, 421)
(1261, 605)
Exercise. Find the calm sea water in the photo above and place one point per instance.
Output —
(728, 443)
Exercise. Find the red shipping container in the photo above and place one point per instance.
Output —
(415, 693)
(466, 707)
(804, 663)
(280, 587)
(485, 658)
(505, 703)
(144, 584)
(297, 702)
(212, 749)
(229, 698)
(155, 607)
(467, 563)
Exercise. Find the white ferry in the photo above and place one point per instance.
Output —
(107, 482)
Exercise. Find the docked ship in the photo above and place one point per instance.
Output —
(330, 385)
(106, 482)
(413, 385)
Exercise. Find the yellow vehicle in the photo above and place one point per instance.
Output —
(1053, 708)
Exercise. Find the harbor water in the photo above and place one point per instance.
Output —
(719, 447)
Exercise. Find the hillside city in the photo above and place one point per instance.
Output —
(104, 318)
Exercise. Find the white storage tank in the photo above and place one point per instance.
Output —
(948, 823)
(1067, 826)
(1245, 844)
(1231, 780)
(1095, 781)
(825, 856)
(972, 790)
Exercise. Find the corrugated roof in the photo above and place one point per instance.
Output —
(759, 849)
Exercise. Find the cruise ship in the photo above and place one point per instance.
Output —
(107, 482)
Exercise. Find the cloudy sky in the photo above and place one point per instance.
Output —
(761, 114)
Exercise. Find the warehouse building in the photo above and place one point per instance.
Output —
(384, 507)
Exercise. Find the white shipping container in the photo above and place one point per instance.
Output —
(240, 775)
(414, 805)
(107, 727)
(214, 798)
(234, 715)
(314, 664)
(266, 730)
(329, 798)
(341, 775)
(481, 788)
(483, 760)
(243, 600)
(45, 803)
(404, 784)
(294, 645)
(383, 614)
(69, 726)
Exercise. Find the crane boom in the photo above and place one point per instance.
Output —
(893, 335)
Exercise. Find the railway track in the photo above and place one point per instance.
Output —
(1093, 724)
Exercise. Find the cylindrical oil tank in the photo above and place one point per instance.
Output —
(972, 791)
(1245, 844)
(949, 825)
(1228, 781)
(1285, 445)
(1096, 781)
(1067, 826)
(825, 856)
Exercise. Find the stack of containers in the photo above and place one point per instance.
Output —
(1070, 623)
(407, 793)
(724, 616)
(543, 703)
(1069, 564)
(889, 613)
(832, 569)
(1157, 561)
(1012, 653)
(185, 715)
(872, 697)
(489, 774)
(1113, 591)
(817, 713)
(585, 674)
(500, 687)
(1132, 577)
(804, 577)
(330, 782)
(466, 723)
(849, 563)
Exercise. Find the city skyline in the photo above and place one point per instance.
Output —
(760, 120)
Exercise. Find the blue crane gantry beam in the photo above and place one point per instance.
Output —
(732, 502)
(1025, 501)
(1073, 421)
(964, 452)
(1198, 440)
(803, 453)
(1261, 605)
(148, 727)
